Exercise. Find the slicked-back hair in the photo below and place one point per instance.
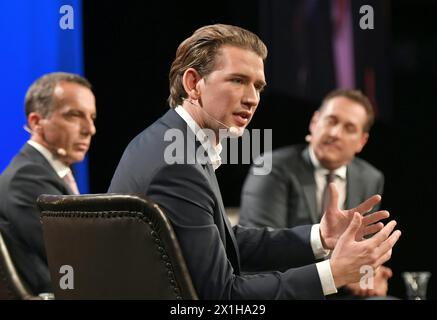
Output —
(201, 50)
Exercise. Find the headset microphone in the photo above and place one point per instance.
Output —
(27, 129)
(59, 151)
(235, 132)
(232, 132)
(62, 152)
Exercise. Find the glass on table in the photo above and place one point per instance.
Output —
(416, 284)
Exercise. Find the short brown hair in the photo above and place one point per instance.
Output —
(39, 96)
(356, 96)
(200, 51)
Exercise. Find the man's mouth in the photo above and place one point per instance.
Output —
(332, 145)
(242, 118)
(81, 146)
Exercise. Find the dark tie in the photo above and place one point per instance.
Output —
(69, 180)
(325, 195)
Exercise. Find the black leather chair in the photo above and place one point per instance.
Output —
(114, 246)
(12, 287)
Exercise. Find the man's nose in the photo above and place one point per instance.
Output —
(336, 131)
(251, 97)
(88, 127)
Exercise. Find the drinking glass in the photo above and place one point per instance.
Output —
(416, 284)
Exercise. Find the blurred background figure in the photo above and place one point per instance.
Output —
(295, 192)
(60, 110)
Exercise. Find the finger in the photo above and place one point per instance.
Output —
(382, 235)
(371, 292)
(359, 293)
(374, 228)
(353, 227)
(333, 198)
(387, 273)
(367, 205)
(364, 292)
(385, 257)
(375, 217)
(389, 242)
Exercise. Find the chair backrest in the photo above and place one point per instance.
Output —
(12, 287)
(112, 246)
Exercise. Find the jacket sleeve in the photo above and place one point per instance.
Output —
(188, 200)
(28, 183)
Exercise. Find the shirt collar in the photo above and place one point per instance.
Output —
(60, 168)
(207, 141)
(339, 172)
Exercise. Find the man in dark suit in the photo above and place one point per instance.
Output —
(215, 84)
(293, 193)
(60, 110)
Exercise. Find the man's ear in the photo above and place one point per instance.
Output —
(34, 119)
(363, 142)
(190, 81)
(315, 118)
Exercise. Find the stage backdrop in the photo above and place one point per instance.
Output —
(36, 37)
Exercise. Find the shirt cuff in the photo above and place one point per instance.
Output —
(316, 243)
(326, 278)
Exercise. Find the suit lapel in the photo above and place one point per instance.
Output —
(230, 237)
(172, 120)
(306, 177)
(31, 153)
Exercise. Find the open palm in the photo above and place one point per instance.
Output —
(335, 221)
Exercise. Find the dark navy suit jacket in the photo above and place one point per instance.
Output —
(28, 175)
(225, 263)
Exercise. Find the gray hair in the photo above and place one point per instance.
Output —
(39, 97)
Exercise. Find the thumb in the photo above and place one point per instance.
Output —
(354, 226)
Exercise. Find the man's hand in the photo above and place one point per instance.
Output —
(335, 221)
(350, 255)
(380, 284)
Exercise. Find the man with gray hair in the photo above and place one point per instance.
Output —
(60, 111)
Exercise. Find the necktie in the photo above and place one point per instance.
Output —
(69, 180)
(329, 178)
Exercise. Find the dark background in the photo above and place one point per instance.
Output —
(129, 47)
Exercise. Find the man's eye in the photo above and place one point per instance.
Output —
(330, 121)
(260, 88)
(239, 81)
(70, 115)
(350, 129)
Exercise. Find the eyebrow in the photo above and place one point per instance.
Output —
(93, 115)
(258, 82)
(348, 123)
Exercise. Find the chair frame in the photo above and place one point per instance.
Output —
(110, 206)
(13, 287)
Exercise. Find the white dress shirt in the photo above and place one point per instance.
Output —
(208, 141)
(60, 168)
